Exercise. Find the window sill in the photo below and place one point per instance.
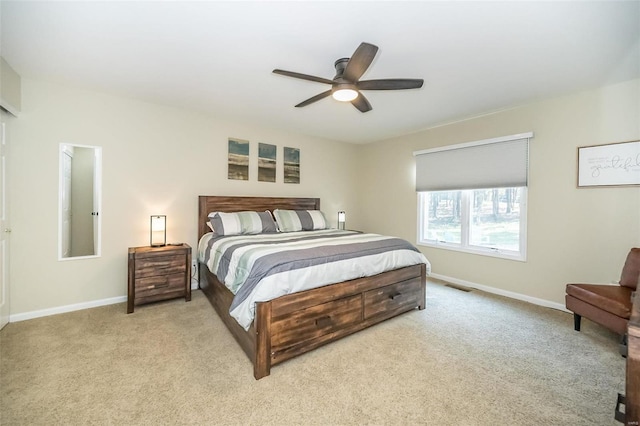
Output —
(488, 252)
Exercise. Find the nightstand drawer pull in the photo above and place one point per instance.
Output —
(395, 296)
(162, 285)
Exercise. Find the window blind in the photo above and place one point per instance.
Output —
(493, 163)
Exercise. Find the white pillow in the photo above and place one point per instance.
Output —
(300, 220)
(238, 223)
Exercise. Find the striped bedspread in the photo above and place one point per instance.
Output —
(262, 267)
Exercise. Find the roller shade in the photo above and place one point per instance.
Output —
(493, 163)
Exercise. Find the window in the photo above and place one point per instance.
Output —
(472, 196)
(483, 221)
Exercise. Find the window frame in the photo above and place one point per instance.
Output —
(465, 229)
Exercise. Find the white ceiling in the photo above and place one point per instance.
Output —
(217, 57)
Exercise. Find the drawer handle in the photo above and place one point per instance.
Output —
(323, 321)
(163, 285)
(395, 296)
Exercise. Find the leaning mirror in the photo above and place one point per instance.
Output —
(79, 201)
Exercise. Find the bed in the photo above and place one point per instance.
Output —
(296, 323)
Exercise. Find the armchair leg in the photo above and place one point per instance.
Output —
(576, 321)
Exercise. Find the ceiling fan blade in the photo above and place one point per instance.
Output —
(314, 99)
(361, 103)
(303, 76)
(390, 84)
(360, 61)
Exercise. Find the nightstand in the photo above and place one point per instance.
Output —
(158, 273)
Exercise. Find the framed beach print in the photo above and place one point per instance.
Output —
(266, 162)
(614, 164)
(291, 165)
(238, 159)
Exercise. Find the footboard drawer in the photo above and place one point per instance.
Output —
(390, 300)
(316, 321)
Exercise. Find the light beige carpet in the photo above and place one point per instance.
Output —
(467, 359)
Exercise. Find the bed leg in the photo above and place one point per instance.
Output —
(262, 325)
(423, 295)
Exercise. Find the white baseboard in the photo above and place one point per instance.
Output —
(76, 307)
(498, 291)
(194, 286)
(67, 308)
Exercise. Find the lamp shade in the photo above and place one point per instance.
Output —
(158, 230)
(342, 218)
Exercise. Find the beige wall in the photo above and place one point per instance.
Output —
(156, 160)
(10, 87)
(573, 234)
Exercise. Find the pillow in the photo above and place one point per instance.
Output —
(300, 220)
(241, 223)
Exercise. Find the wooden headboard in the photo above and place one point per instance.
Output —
(212, 203)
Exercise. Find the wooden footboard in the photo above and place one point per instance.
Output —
(297, 323)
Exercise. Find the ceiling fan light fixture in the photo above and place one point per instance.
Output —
(345, 94)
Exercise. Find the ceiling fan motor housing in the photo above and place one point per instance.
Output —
(340, 83)
(340, 65)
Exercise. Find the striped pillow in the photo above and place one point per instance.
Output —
(241, 223)
(300, 220)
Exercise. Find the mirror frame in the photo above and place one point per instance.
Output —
(97, 199)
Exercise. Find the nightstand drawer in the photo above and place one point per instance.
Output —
(160, 285)
(159, 265)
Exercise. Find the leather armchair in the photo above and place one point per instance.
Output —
(607, 305)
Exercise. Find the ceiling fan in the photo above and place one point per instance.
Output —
(346, 85)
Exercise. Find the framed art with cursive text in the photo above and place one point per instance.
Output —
(613, 164)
